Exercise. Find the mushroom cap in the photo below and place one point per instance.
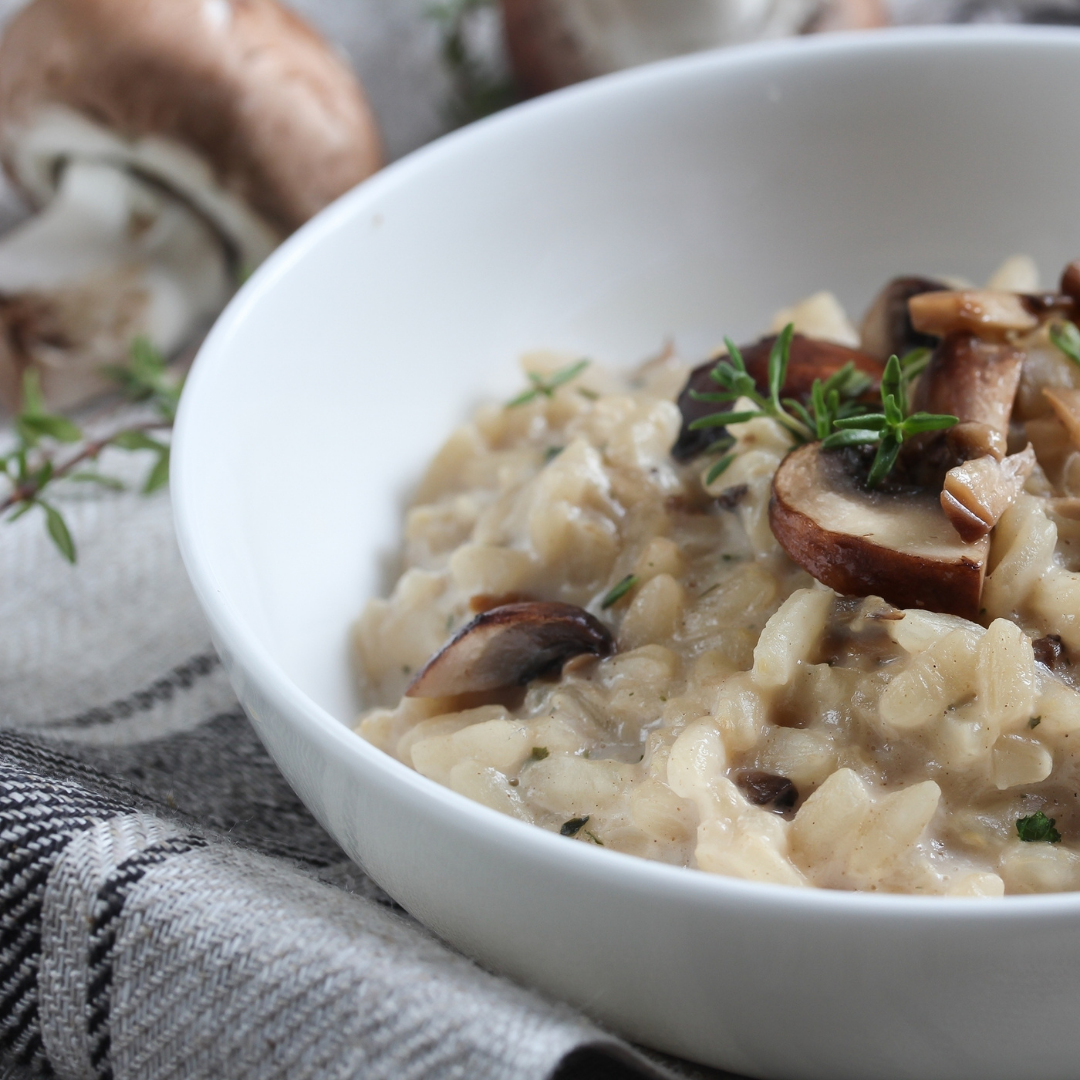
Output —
(245, 85)
(897, 545)
(509, 646)
(886, 327)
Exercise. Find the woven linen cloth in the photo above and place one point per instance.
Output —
(168, 907)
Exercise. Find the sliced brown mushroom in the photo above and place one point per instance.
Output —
(990, 313)
(895, 544)
(509, 646)
(986, 312)
(778, 793)
(1050, 651)
(809, 359)
(977, 492)
(169, 145)
(886, 327)
(1065, 506)
(1070, 281)
(976, 381)
(1065, 402)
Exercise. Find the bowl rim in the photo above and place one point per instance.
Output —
(333, 737)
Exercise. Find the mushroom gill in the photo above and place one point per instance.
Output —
(509, 646)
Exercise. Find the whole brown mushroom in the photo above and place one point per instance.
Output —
(553, 43)
(169, 146)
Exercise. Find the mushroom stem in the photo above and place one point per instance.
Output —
(112, 257)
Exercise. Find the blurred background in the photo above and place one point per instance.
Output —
(425, 67)
(430, 65)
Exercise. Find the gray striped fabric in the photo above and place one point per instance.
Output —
(168, 907)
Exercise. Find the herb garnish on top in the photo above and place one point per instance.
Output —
(835, 416)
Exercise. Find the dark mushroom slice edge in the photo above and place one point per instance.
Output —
(509, 646)
(896, 544)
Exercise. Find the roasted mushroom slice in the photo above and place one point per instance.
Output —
(977, 492)
(986, 312)
(809, 359)
(886, 327)
(976, 381)
(777, 793)
(895, 544)
(1070, 281)
(169, 146)
(509, 646)
(1065, 402)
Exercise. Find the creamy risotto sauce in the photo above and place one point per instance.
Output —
(749, 720)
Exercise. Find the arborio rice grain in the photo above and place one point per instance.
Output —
(750, 721)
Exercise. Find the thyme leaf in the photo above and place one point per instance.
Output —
(1036, 828)
(1066, 337)
(618, 591)
(545, 386)
(890, 427)
(36, 463)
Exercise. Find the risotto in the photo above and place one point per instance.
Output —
(796, 615)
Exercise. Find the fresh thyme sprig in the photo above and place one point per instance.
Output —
(37, 462)
(888, 428)
(479, 89)
(1066, 337)
(545, 386)
(830, 399)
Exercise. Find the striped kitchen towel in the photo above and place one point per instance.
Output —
(168, 907)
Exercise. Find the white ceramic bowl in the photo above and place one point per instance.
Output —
(691, 198)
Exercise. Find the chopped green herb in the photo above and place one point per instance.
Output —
(888, 428)
(1035, 721)
(719, 468)
(835, 417)
(618, 591)
(545, 386)
(1067, 338)
(1037, 828)
(479, 86)
(538, 753)
(589, 395)
(735, 382)
(574, 826)
(593, 837)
